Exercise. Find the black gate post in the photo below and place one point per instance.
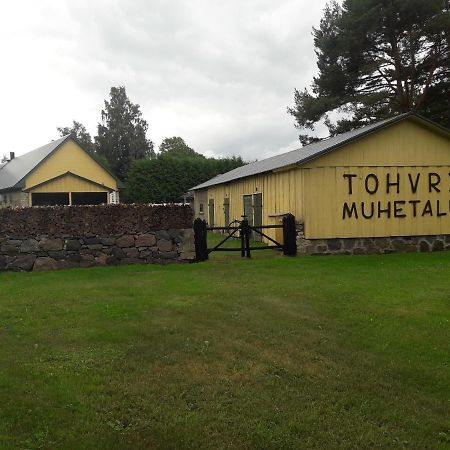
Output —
(246, 231)
(289, 236)
(200, 240)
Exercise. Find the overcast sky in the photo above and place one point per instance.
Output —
(220, 74)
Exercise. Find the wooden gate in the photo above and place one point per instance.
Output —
(243, 230)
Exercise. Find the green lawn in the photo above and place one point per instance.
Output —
(271, 353)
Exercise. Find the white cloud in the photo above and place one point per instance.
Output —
(219, 74)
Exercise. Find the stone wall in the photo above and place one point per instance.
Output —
(362, 246)
(140, 234)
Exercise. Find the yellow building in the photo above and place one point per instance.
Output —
(388, 179)
(58, 173)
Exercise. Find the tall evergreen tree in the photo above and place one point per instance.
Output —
(377, 58)
(122, 133)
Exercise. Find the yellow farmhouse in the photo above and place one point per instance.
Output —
(385, 180)
(58, 173)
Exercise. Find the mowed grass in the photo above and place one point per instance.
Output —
(268, 353)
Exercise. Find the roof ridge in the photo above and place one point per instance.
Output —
(305, 154)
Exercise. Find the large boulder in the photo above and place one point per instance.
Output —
(10, 249)
(29, 246)
(44, 263)
(132, 252)
(145, 240)
(52, 245)
(125, 241)
(164, 245)
(73, 244)
(23, 262)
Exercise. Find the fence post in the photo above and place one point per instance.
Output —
(289, 236)
(246, 235)
(200, 240)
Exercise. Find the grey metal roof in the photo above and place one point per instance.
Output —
(299, 156)
(14, 171)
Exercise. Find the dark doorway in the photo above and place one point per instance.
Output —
(257, 214)
(211, 212)
(89, 198)
(226, 210)
(248, 209)
(49, 198)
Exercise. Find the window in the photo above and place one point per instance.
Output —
(201, 208)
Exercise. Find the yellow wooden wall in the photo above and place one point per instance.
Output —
(70, 158)
(315, 192)
(407, 147)
(280, 194)
(69, 183)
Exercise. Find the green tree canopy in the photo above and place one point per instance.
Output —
(377, 58)
(121, 135)
(176, 147)
(176, 169)
(79, 131)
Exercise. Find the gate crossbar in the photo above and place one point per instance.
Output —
(209, 250)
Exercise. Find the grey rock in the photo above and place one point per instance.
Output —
(132, 252)
(169, 255)
(112, 261)
(399, 244)
(9, 249)
(187, 256)
(44, 263)
(92, 240)
(101, 259)
(164, 245)
(173, 232)
(23, 262)
(334, 244)
(117, 253)
(349, 243)
(125, 241)
(3, 263)
(145, 240)
(162, 234)
(73, 244)
(108, 241)
(51, 245)
(76, 259)
(438, 246)
(29, 246)
(15, 242)
(61, 254)
(382, 243)
(95, 246)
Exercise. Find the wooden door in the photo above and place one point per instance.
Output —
(211, 212)
(248, 208)
(257, 215)
(226, 211)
